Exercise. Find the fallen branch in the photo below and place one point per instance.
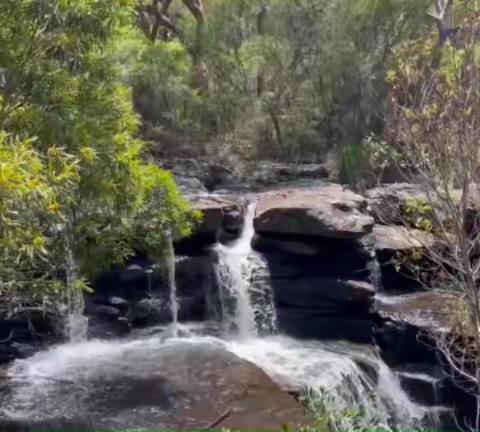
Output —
(219, 420)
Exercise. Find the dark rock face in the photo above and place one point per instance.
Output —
(317, 247)
(404, 323)
(136, 296)
(23, 334)
(403, 334)
(394, 245)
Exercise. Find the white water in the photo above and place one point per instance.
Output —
(356, 397)
(234, 272)
(171, 282)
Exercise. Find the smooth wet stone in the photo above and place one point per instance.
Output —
(178, 385)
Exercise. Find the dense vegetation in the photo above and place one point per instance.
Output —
(90, 89)
(281, 79)
(74, 190)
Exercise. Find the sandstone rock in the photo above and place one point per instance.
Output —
(316, 299)
(267, 173)
(395, 238)
(426, 387)
(190, 185)
(387, 201)
(220, 216)
(213, 176)
(424, 310)
(404, 323)
(393, 245)
(329, 211)
(176, 385)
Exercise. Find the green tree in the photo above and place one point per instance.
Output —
(61, 92)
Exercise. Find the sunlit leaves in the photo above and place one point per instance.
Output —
(79, 187)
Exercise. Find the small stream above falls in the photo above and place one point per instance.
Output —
(121, 383)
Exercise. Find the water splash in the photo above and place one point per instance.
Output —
(233, 273)
(356, 388)
(74, 321)
(246, 311)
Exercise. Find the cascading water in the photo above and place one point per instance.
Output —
(172, 283)
(236, 263)
(76, 323)
(353, 385)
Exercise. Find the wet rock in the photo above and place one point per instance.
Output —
(424, 388)
(315, 298)
(330, 211)
(425, 310)
(404, 324)
(24, 333)
(328, 296)
(140, 297)
(166, 386)
(66, 425)
(311, 324)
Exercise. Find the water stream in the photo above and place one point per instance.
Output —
(355, 386)
(172, 282)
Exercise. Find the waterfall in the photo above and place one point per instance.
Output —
(346, 382)
(170, 258)
(236, 263)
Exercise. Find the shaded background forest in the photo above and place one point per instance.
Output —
(296, 81)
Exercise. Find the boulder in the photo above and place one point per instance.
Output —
(404, 324)
(396, 238)
(219, 216)
(176, 385)
(424, 310)
(329, 211)
(266, 173)
(190, 185)
(213, 176)
(387, 202)
(395, 246)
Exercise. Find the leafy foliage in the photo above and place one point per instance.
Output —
(286, 79)
(74, 184)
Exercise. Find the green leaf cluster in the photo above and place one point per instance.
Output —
(76, 192)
